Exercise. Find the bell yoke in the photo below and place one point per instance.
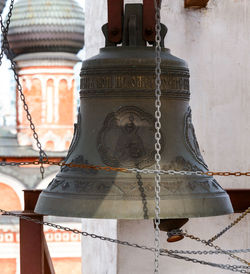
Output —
(116, 127)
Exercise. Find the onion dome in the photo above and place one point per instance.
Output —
(46, 26)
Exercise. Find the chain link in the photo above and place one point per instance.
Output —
(117, 169)
(209, 252)
(163, 252)
(207, 243)
(243, 215)
(6, 47)
(234, 268)
(143, 196)
(227, 173)
(157, 131)
(5, 29)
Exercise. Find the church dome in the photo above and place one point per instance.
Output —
(46, 26)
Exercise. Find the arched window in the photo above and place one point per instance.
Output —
(66, 103)
(49, 145)
(9, 198)
(50, 92)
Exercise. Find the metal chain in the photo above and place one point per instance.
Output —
(157, 132)
(118, 169)
(5, 46)
(143, 196)
(209, 252)
(76, 231)
(5, 29)
(207, 243)
(163, 252)
(234, 268)
(243, 215)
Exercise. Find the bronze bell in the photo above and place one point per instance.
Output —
(115, 128)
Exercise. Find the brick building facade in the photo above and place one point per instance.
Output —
(45, 37)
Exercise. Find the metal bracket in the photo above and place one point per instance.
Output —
(115, 18)
(149, 20)
(115, 31)
(132, 26)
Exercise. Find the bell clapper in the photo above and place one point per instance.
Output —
(172, 227)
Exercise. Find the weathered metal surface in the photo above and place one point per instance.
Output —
(195, 3)
(43, 26)
(116, 127)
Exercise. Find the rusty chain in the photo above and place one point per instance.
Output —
(130, 170)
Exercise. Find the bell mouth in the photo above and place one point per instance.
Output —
(178, 207)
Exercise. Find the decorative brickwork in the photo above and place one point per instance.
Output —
(49, 92)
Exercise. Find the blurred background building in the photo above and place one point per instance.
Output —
(45, 38)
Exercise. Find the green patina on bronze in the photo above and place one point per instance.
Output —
(116, 128)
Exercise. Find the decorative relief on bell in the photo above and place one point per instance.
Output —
(79, 159)
(179, 163)
(127, 138)
(190, 138)
(118, 84)
(54, 184)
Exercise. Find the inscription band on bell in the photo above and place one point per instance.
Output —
(175, 83)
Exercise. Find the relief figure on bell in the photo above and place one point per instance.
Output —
(129, 144)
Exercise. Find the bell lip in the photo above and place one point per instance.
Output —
(66, 205)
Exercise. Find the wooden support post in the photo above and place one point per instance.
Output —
(195, 3)
(149, 20)
(115, 18)
(34, 253)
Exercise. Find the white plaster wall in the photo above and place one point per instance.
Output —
(99, 257)
(215, 42)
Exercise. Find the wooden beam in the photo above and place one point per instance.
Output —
(149, 20)
(198, 4)
(240, 199)
(31, 237)
(34, 252)
(115, 17)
